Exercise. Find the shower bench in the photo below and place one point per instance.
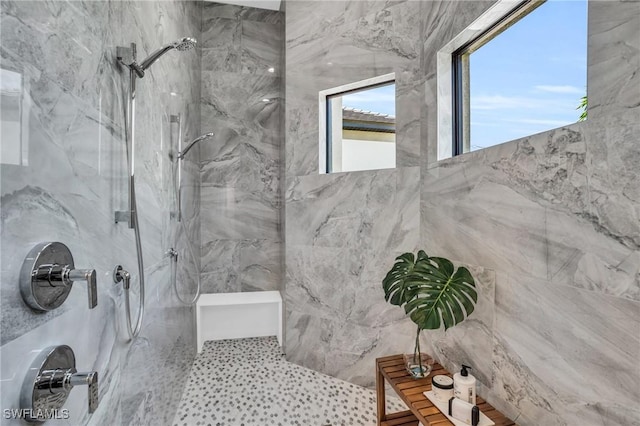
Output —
(238, 315)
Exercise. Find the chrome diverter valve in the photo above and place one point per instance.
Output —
(49, 380)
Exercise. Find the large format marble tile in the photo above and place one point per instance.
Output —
(471, 341)
(241, 265)
(249, 165)
(349, 350)
(261, 48)
(241, 13)
(613, 39)
(236, 214)
(372, 208)
(307, 24)
(74, 177)
(221, 48)
(241, 103)
(238, 98)
(555, 344)
(532, 197)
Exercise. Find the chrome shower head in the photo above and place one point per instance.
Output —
(182, 153)
(183, 44)
(186, 43)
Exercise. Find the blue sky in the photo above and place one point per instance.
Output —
(381, 99)
(527, 80)
(531, 77)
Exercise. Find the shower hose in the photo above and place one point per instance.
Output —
(174, 256)
(133, 332)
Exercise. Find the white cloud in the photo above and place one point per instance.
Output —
(365, 97)
(549, 104)
(573, 90)
(544, 122)
(503, 102)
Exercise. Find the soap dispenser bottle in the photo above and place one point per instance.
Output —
(464, 385)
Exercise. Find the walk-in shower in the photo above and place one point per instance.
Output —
(127, 56)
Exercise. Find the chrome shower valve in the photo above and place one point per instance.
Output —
(49, 381)
(47, 275)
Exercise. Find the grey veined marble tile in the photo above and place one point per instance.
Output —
(564, 355)
(471, 341)
(261, 48)
(527, 207)
(351, 349)
(221, 45)
(229, 11)
(613, 60)
(248, 165)
(230, 213)
(377, 208)
(245, 100)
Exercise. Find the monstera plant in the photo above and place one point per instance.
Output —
(433, 294)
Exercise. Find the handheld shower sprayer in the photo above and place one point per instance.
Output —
(178, 193)
(182, 153)
(127, 55)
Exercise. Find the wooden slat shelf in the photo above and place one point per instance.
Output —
(410, 390)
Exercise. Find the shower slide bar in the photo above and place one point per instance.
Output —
(127, 57)
(175, 119)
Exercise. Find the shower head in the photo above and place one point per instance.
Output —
(183, 44)
(182, 153)
(186, 43)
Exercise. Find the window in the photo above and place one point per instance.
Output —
(520, 74)
(357, 126)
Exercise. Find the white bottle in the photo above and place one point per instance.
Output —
(464, 385)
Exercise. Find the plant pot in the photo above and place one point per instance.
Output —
(418, 368)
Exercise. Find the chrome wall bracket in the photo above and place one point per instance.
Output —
(123, 216)
(49, 380)
(48, 274)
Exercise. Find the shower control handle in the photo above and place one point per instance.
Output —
(91, 380)
(88, 275)
(62, 381)
(62, 275)
(49, 381)
(48, 274)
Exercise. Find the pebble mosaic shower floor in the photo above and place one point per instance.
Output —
(279, 393)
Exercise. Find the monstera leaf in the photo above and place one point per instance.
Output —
(432, 291)
(395, 284)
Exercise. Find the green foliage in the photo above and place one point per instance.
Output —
(431, 290)
(583, 106)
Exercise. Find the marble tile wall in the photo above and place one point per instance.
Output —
(242, 104)
(343, 230)
(552, 221)
(73, 177)
(556, 216)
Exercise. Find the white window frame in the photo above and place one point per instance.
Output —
(322, 111)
